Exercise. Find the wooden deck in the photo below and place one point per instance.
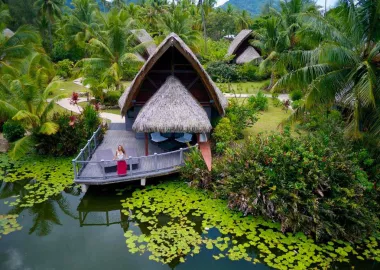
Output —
(88, 170)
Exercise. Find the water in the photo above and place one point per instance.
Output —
(71, 232)
(86, 231)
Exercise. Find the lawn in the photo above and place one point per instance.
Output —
(67, 88)
(268, 120)
(242, 88)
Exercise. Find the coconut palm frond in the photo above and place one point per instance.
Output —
(22, 147)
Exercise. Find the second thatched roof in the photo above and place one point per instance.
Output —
(248, 56)
(172, 109)
(143, 37)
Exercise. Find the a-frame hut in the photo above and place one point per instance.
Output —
(242, 50)
(172, 94)
(143, 37)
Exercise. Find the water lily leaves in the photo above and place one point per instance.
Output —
(45, 177)
(177, 221)
(8, 224)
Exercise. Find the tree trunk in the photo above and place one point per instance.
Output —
(50, 37)
(271, 83)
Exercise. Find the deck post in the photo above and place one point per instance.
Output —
(146, 144)
(143, 181)
(180, 155)
(84, 188)
(198, 140)
(95, 138)
(89, 149)
(155, 161)
(130, 165)
(104, 170)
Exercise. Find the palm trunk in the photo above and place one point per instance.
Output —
(271, 83)
(204, 28)
(50, 37)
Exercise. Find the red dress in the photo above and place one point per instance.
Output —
(121, 166)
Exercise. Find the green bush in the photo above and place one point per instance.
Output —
(224, 132)
(60, 52)
(250, 72)
(195, 170)
(241, 117)
(91, 119)
(296, 95)
(258, 102)
(13, 131)
(296, 104)
(222, 72)
(112, 98)
(73, 133)
(314, 183)
(65, 68)
(276, 101)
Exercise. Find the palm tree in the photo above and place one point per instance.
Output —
(180, 23)
(14, 49)
(344, 68)
(27, 104)
(50, 9)
(273, 40)
(243, 20)
(82, 22)
(110, 49)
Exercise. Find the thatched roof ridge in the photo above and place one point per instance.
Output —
(239, 39)
(8, 33)
(184, 114)
(125, 100)
(248, 55)
(143, 37)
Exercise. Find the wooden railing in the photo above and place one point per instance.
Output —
(146, 165)
(86, 152)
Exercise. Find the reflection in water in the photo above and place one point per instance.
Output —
(100, 207)
(44, 215)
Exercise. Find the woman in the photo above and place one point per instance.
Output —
(121, 163)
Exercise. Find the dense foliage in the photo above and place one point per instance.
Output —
(13, 131)
(313, 183)
(73, 133)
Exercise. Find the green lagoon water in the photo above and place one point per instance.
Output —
(161, 226)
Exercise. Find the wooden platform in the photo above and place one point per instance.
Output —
(88, 170)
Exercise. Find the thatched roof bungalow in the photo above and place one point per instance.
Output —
(172, 93)
(242, 50)
(143, 37)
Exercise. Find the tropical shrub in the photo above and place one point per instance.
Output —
(275, 100)
(195, 170)
(222, 72)
(241, 116)
(250, 72)
(61, 52)
(296, 95)
(13, 131)
(112, 98)
(296, 104)
(223, 134)
(314, 183)
(258, 102)
(73, 133)
(65, 68)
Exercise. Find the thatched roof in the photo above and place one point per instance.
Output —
(8, 33)
(184, 114)
(239, 39)
(143, 37)
(125, 101)
(248, 55)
